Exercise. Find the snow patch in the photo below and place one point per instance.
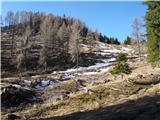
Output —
(100, 44)
(112, 51)
(17, 86)
(83, 45)
(112, 60)
(39, 87)
(68, 76)
(27, 81)
(89, 73)
(104, 69)
(75, 69)
(44, 83)
(126, 49)
(96, 66)
(102, 53)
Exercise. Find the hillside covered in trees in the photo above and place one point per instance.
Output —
(32, 41)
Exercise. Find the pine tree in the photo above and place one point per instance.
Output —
(153, 32)
(127, 41)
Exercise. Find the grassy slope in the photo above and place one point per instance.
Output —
(109, 98)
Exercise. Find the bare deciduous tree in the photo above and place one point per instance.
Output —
(90, 38)
(23, 49)
(136, 34)
(11, 23)
(46, 30)
(74, 42)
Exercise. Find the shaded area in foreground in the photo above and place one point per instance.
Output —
(146, 108)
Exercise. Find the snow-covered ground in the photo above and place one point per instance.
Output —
(103, 53)
(104, 63)
(100, 67)
(101, 44)
(111, 51)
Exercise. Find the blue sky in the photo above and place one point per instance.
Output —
(113, 19)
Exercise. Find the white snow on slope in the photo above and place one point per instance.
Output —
(112, 60)
(39, 87)
(126, 49)
(68, 76)
(89, 73)
(111, 51)
(27, 81)
(83, 45)
(100, 44)
(45, 83)
(102, 53)
(99, 65)
(96, 66)
(16, 85)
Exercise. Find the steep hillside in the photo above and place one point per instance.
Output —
(37, 43)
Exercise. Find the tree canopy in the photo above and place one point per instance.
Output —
(153, 32)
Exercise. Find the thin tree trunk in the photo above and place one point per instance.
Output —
(77, 50)
(12, 41)
(139, 48)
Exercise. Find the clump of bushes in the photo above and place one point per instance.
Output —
(121, 57)
(122, 66)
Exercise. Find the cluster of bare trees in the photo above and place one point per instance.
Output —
(59, 37)
(22, 18)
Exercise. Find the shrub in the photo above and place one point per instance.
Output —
(121, 57)
(121, 67)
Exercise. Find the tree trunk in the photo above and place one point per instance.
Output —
(139, 48)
